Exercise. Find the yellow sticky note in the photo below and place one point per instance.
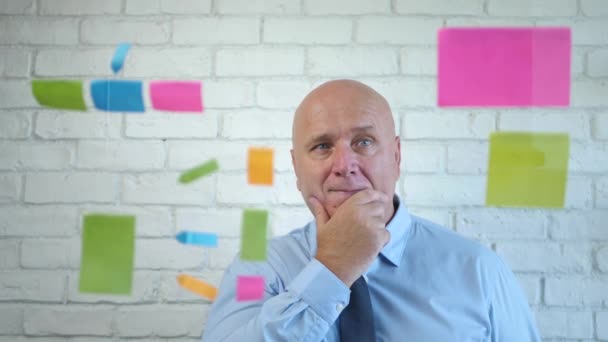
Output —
(197, 286)
(259, 165)
(527, 169)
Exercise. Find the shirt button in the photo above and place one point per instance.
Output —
(339, 307)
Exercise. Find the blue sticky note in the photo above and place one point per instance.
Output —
(119, 56)
(117, 95)
(197, 238)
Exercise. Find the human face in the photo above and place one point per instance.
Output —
(344, 142)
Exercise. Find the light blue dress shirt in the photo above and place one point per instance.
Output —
(427, 284)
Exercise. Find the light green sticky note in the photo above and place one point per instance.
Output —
(199, 171)
(62, 94)
(108, 243)
(527, 169)
(253, 235)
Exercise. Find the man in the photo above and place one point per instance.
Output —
(424, 282)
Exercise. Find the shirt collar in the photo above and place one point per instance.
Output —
(398, 227)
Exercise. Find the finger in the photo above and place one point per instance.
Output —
(318, 211)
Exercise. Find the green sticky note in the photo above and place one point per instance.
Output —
(199, 171)
(108, 244)
(62, 94)
(253, 235)
(527, 169)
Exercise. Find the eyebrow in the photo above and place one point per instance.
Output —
(317, 139)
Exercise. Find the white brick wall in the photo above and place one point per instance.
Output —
(257, 59)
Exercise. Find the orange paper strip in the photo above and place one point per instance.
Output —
(197, 286)
(259, 166)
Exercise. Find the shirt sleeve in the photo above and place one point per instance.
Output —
(304, 310)
(510, 314)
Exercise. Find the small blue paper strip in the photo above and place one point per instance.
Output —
(196, 238)
(117, 95)
(119, 56)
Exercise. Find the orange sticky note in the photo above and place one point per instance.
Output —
(259, 165)
(197, 286)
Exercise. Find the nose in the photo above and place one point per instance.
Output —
(344, 161)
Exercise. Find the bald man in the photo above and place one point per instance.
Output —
(365, 269)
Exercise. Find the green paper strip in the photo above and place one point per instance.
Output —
(61, 94)
(253, 235)
(199, 171)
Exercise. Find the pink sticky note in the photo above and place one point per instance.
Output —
(504, 66)
(179, 96)
(249, 288)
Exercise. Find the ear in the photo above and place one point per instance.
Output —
(398, 155)
(293, 163)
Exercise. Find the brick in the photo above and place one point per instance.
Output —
(597, 63)
(578, 225)
(543, 256)
(221, 258)
(35, 221)
(304, 30)
(577, 64)
(9, 255)
(145, 7)
(347, 6)
(65, 125)
(281, 94)
(142, 321)
(39, 286)
(531, 286)
(584, 32)
(600, 126)
(216, 31)
(286, 220)
(260, 61)
(594, 8)
(175, 63)
(89, 62)
(575, 124)
(166, 254)
(407, 92)
(79, 7)
(34, 155)
(589, 93)
(151, 221)
(11, 320)
(17, 7)
(14, 62)
(255, 124)
(467, 157)
(579, 193)
(447, 125)
(10, 188)
(145, 288)
(577, 291)
(346, 61)
(584, 158)
(234, 189)
(503, 223)
(537, 8)
(601, 258)
(8, 338)
(395, 30)
(258, 6)
(90, 321)
(439, 7)
(16, 94)
(601, 193)
(39, 31)
(430, 190)
(225, 222)
(163, 188)
(172, 292)
(560, 323)
(422, 157)
(228, 93)
(115, 31)
(489, 22)
(15, 124)
(121, 155)
(418, 61)
(601, 322)
(165, 125)
(74, 187)
(48, 253)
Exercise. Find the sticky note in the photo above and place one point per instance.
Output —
(119, 57)
(199, 171)
(198, 238)
(197, 286)
(253, 235)
(259, 166)
(527, 169)
(504, 66)
(178, 96)
(117, 95)
(249, 288)
(61, 94)
(108, 243)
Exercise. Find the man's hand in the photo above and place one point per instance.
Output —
(349, 242)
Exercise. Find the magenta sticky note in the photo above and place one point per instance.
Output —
(249, 288)
(176, 96)
(504, 66)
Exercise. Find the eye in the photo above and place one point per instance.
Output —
(365, 142)
(322, 146)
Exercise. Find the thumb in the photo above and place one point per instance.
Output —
(318, 211)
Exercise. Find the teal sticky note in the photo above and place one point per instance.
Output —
(253, 235)
(108, 243)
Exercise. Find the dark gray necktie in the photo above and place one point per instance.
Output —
(357, 319)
